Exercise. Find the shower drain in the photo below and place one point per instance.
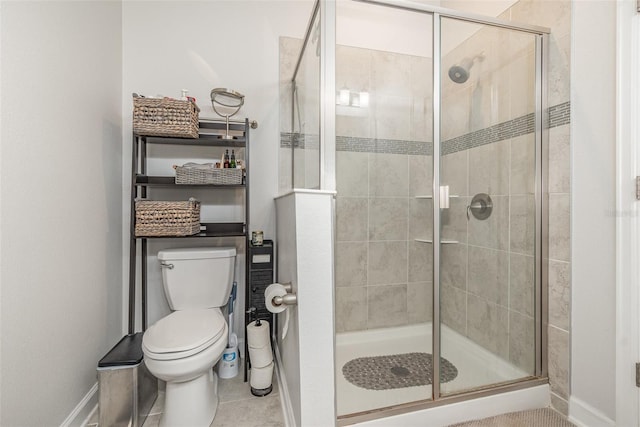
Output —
(400, 371)
(396, 371)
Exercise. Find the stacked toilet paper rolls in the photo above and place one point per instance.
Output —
(261, 378)
(259, 344)
(261, 356)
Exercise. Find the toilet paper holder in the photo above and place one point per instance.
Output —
(288, 299)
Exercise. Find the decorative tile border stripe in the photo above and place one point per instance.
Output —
(299, 140)
(390, 146)
(505, 130)
(285, 139)
(558, 115)
(362, 145)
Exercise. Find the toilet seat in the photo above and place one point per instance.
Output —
(184, 333)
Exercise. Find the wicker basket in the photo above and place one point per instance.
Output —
(190, 175)
(160, 218)
(165, 117)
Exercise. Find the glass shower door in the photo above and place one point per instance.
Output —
(384, 223)
(487, 205)
(305, 133)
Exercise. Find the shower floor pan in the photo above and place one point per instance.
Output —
(477, 367)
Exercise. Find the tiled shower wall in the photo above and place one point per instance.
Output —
(487, 278)
(382, 274)
(557, 16)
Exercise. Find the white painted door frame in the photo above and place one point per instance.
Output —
(627, 214)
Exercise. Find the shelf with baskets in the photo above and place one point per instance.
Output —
(169, 181)
(148, 190)
(211, 229)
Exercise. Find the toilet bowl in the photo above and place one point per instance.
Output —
(183, 347)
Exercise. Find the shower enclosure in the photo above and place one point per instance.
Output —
(431, 130)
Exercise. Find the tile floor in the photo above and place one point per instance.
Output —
(546, 417)
(237, 407)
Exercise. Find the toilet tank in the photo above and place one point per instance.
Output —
(197, 277)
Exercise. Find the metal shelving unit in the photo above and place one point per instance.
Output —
(210, 136)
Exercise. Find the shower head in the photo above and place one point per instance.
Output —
(459, 73)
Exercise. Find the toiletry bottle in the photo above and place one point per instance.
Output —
(232, 163)
(226, 159)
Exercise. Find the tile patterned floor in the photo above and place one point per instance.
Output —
(237, 407)
(545, 417)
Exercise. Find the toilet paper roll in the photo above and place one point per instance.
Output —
(260, 357)
(261, 377)
(258, 336)
(277, 290)
(274, 290)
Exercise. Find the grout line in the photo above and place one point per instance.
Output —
(559, 329)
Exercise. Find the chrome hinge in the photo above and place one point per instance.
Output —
(638, 184)
(637, 374)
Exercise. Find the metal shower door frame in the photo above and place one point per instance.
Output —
(541, 208)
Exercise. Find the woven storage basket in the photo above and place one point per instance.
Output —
(160, 218)
(165, 117)
(187, 175)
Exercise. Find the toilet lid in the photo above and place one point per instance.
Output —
(184, 331)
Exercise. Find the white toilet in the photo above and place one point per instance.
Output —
(183, 347)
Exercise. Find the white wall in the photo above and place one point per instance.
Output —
(593, 203)
(170, 45)
(305, 259)
(288, 348)
(61, 192)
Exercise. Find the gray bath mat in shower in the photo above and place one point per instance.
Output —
(396, 371)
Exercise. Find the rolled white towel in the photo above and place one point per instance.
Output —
(199, 165)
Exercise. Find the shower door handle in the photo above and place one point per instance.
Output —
(444, 197)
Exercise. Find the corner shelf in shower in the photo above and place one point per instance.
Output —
(442, 242)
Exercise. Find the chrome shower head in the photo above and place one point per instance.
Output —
(459, 73)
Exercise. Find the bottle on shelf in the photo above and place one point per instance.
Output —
(232, 163)
(226, 159)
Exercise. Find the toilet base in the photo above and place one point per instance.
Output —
(183, 398)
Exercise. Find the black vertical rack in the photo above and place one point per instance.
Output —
(260, 268)
(210, 136)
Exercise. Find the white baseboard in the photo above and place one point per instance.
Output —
(83, 410)
(585, 415)
(285, 399)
